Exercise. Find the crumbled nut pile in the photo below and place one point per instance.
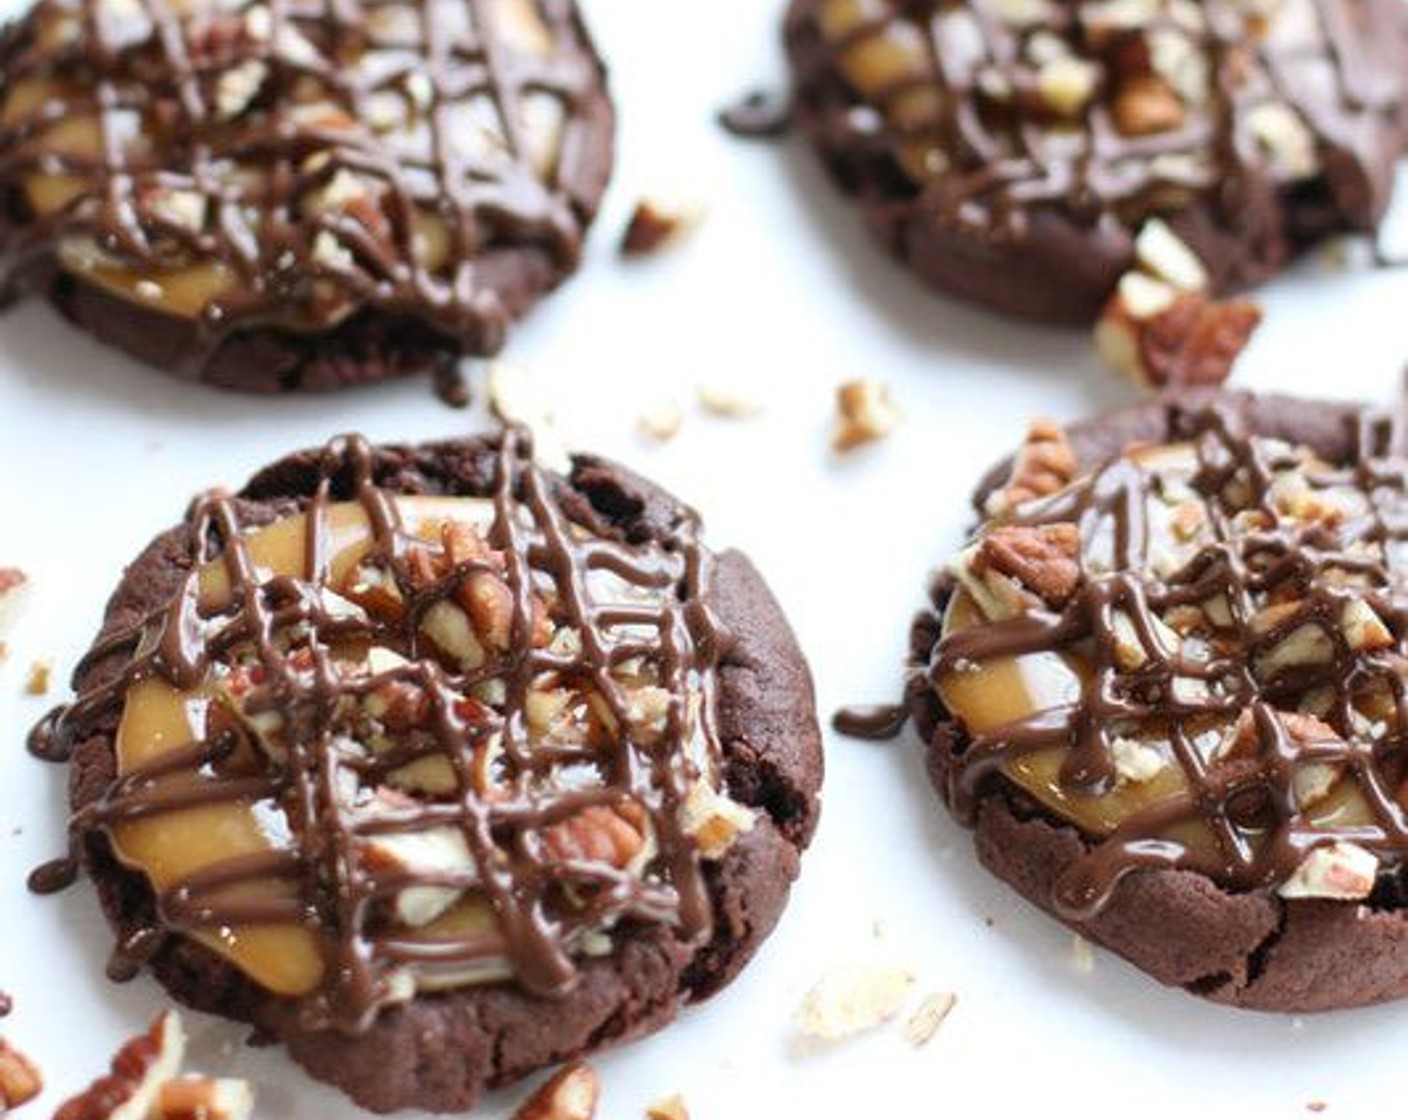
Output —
(146, 1082)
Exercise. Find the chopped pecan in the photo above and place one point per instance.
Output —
(655, 225)
(1043, 558)
(1147, 104)
(1159, 336)
(570, 1094)
(138, 1072)
(20, 1080)
(1043, 465)
(864, 414)
(610, 834)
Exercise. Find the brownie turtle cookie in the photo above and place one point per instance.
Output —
(438, 767)
(1011, 151)
(1164, 684)
(271, 197)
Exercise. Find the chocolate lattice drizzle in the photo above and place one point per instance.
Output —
(540, 820)
(304, 146)
(1246, 724)
(991, 108)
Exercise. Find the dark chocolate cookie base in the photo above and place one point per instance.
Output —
(442, 1050)
(1249, 949)
(374, 343)
(1063, 270)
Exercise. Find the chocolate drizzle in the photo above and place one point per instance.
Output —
(302, 148)
(759, 115)
(996, 151)
(544, 902)
(1242, 816)
(871, 721)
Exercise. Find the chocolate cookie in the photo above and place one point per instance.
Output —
(1163, 683)
(1009, 151)
(438, 767)
(269, 197)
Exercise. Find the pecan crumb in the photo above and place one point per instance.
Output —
(865, 414)
(655, 225)
(37, 683)
(726, 402)
(1082, 955)
(668, 1108)
(1043, 465)
(852, 999)
(1043, 558)
(570, 1094)
(928, 1017)
(661, 423)
(20, 1080)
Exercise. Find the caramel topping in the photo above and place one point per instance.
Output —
(1221, 685)
(391, 742)
(288, 165)
(1109, 108)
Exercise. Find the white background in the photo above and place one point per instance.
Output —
(781, 293)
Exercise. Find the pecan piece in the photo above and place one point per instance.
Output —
(1159, 336)
(610, 834)
(1043, 558)
(1147, 104)
(570, 1094)
(20, 1080)
(1043, 465)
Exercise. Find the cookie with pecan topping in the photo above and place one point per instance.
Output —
(439, 767)
(1010, 151)
(276, 197)
(1167, 693)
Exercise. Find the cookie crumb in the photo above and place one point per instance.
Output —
(852, 999)
(928, 1018)
(668, 1108)
(864, 414)
(1316, 1106)
(1082, 955)
(40, 672)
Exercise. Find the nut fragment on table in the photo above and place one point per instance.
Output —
(130, 1089)
(656, 225)
(144, 1082)
(928, 1017)
(865, 414)
(1158, 336)
(40, 673)
(727, 402)
(20, 1079)
(204, 1098)
(517, 397)
(662, 422)
(852, 999)
(570, 1094)
(672, 1107)
(14, 590)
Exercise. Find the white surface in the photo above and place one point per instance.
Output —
(779, 291)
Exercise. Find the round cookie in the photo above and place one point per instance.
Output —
(269, 198)
(1009, 151)
(1163, 683)
(438, 767)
